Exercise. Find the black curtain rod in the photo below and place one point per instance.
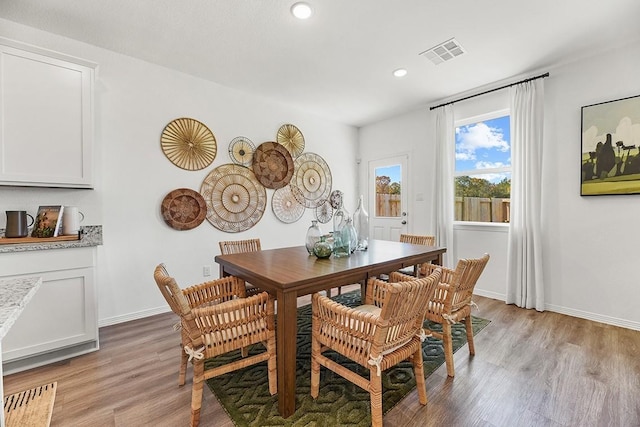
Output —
(541, 76)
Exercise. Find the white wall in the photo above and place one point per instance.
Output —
(590, 243)
(134, 101)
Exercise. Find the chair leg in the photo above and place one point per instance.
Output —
(196, 393)
(315, 367)
(184, 360)
(272, 366)
(448, 347)
(418, 372)
(469, 328)
(375, 390)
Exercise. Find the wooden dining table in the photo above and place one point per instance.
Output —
(288, 273)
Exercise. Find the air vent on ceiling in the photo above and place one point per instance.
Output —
(443, 51)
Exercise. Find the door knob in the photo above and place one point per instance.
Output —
(404, 222)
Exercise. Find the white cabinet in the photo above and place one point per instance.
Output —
(61, 319)
(46, 118)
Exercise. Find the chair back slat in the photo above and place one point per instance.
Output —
(239, 246)
(403, 310)
(418, 240)
(171, 291)
(465, 277)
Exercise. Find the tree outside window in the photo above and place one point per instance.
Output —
(483, 169)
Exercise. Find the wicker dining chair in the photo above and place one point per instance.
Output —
(416, 239)
(216, 318)
(240, 247)
(383, 332)
(451, 303)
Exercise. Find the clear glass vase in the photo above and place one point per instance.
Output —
(352, 235)
(314, 233)
(341, 238)
(361, 224)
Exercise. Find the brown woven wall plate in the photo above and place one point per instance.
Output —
(183, 209)
(291, 138)
(311, 182)
(235, 199)
(285, 207)
(272, 165)
(188, 144)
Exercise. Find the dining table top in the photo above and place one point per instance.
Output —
(286, 269)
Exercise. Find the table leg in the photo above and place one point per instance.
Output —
(286, 344)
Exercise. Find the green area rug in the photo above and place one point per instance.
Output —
(244, 394)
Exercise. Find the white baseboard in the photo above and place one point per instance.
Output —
(132, 316)
(489, 294)
(623, 323)
(614, 321)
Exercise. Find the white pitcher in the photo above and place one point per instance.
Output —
(71, 218)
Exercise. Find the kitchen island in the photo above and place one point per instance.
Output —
(14, 296)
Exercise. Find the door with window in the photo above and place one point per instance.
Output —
(388, 209)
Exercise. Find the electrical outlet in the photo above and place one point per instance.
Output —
(206, 270)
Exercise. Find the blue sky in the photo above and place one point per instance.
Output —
(485, 144)
(392, 172)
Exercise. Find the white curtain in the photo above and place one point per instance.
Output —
(445, 160)
(525, 284)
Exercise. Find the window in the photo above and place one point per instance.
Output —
(483, 169)
(388, 190)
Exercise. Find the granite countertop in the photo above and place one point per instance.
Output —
(14, 295)
(91, 236)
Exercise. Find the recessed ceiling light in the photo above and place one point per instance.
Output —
(400, 72)
(301, 10)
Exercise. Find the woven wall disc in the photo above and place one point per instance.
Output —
(188, 144)
(335, 199)
(324, 212)
(311, 182)
(183, 209)
(285, 207)
(272, 165)
(292, 139)
(235, 199)
(241, 151)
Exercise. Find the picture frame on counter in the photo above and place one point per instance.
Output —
(48, 222)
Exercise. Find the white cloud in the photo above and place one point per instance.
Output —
(465, 156)
(488, 165)
(479, 136)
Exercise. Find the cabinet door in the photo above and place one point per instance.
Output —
(46, 119)
(62, 313)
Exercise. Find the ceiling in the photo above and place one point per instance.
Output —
(338, 64)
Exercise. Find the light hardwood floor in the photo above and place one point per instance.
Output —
(530, 369)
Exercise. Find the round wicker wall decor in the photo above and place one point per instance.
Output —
(235, 199)
(241, 151)
(183, 209)
(311, 182)
(188, 144)
(324, 212)
(285, 207)
(272, 165)
(291, 138)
